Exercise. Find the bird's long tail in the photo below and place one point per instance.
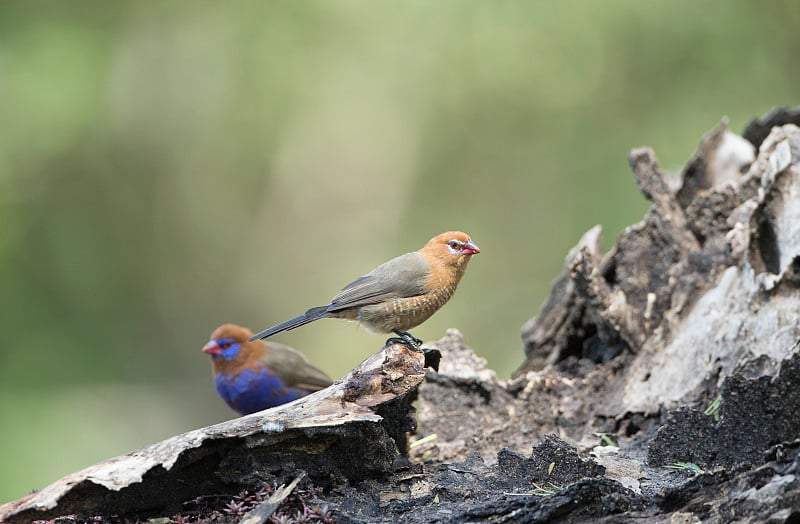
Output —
(315, 313)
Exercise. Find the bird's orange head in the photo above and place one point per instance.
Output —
(452, 248)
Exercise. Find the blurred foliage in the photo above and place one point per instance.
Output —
(166, 167)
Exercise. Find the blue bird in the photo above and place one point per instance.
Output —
(253, 376)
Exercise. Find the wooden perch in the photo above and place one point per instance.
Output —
(335, 431)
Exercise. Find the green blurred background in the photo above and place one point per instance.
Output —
(165, 167)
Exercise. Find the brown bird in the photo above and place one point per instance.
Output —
(399, 294)
(253, 375)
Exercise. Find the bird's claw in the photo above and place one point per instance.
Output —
(407, 339)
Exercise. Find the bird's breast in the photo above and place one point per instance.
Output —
(253, 390)
(402, 314)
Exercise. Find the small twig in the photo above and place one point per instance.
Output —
(261, 513)
(457, 470)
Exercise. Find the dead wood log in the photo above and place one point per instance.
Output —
(349, 430)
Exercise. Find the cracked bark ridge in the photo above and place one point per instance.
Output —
(336, 433)
(737, 310)
(596, 314)
(706, 282)
(571, 489)
(561, 330)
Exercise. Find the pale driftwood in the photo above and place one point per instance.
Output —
(320, 427)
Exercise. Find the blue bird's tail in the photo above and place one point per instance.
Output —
(315, 313)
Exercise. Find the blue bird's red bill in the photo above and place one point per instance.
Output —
(212, 348)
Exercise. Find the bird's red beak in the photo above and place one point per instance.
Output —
(212, 348)
(470, 248)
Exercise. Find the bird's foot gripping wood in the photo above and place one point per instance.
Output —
(432, 356)
(406, 339)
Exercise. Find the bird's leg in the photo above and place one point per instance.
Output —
(406, 339)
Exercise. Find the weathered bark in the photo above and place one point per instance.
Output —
(700, 289)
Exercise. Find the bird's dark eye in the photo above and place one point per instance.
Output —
(225, 344)
(455, 244)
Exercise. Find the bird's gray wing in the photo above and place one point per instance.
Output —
(400, 277)
(294, 369)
